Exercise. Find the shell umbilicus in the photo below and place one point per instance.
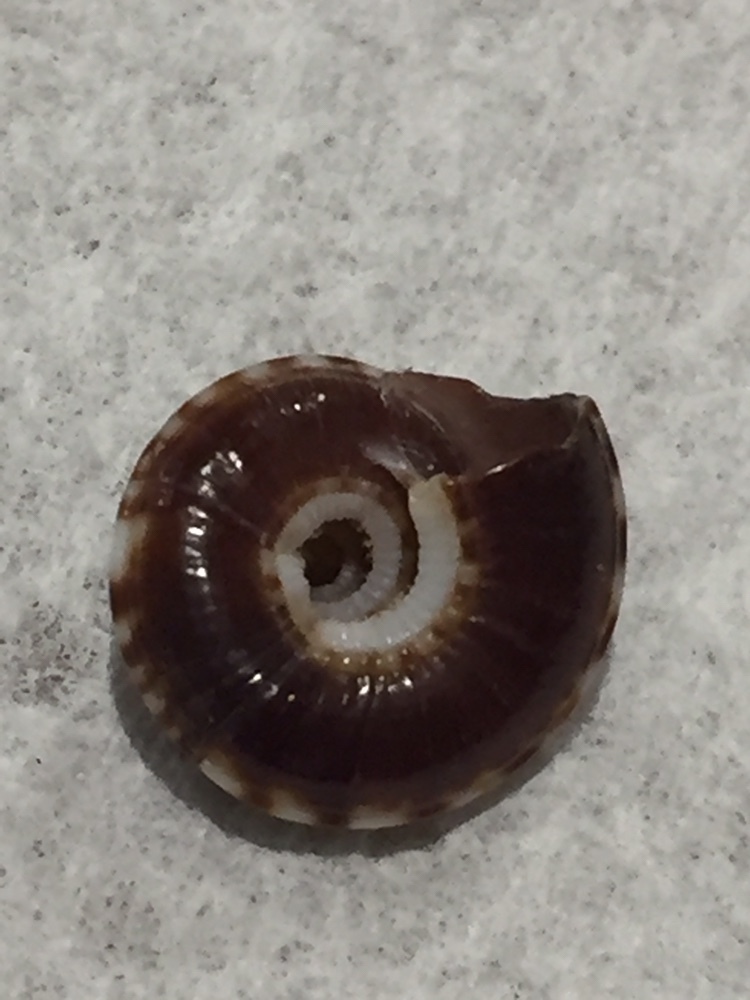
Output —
(358, 597)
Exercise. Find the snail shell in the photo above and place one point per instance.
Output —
(358, 597)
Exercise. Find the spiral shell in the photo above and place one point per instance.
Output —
(357, 597)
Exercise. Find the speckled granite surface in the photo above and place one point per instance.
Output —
(541, 199)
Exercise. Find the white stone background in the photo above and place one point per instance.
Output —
(537, 196)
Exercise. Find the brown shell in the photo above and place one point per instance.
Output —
(371, 737)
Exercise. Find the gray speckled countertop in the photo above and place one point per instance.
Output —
(537, 198)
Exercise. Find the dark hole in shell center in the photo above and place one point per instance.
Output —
(338, 551)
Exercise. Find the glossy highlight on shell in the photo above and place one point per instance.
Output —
(357, 597)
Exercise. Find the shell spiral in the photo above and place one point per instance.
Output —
(357, 597)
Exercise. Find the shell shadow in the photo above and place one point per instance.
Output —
(238, 819)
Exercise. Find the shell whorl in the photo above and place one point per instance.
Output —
(358, 597)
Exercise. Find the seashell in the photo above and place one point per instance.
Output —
(357, 597)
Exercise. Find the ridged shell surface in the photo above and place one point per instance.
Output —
(357, 597)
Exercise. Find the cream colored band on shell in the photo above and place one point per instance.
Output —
(352, 624)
